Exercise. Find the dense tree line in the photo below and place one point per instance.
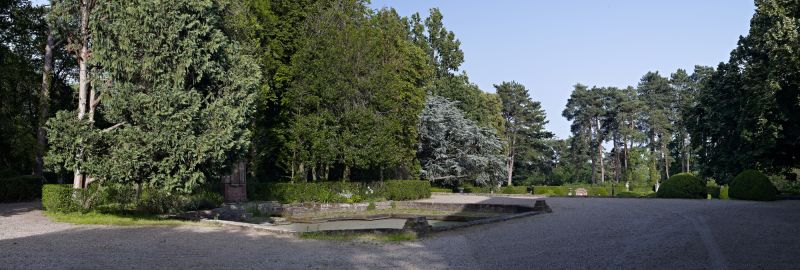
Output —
(716, 121)
(171, 94)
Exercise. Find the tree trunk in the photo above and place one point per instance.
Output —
(381, 169)
(314, 173)
(326, 171)
(600, 152)
(301, 172)
(44, 103)
(593, 157)
(346, 173)
(665, 156)
(83, 79)
(510, 168)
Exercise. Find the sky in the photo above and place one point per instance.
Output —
(549, 46)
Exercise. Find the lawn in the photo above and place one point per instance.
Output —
(95, 218)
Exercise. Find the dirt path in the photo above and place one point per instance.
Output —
(580, 233)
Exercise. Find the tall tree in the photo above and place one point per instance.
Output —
(658, 96)
(453, 149)
(177, 97)
(524, 126)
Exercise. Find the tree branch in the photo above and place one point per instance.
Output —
(113, 127)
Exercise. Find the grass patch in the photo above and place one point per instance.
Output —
(95, 218)
(379, 237)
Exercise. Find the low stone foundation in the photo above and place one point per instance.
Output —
(274, 208)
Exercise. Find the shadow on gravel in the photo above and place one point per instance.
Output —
(12, 209)
(203, 248)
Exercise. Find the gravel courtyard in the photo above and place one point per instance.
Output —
(581, 233)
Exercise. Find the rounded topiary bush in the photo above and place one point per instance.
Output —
(752, 185)
(683, 185)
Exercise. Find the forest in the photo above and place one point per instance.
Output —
(172, 95)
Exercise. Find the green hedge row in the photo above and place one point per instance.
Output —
(401, 190)
(514, 190)
(340, 192)
(20, 188)
(565, 191)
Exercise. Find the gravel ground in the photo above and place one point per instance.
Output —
(581, 233)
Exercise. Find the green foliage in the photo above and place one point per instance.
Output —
(95, 218)
(400, 190)
(439, 189)
(340, 192)
(629, 194)
(551, 190)
(683, 185)
(20, 188)
(177, 98)
(59, 198)
(752, 185)
(524, 129)
(353, 107)
(514, 190)
(724, 192)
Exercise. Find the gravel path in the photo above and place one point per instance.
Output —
(582, 233)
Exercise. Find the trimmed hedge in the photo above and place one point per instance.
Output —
(440, 189)
(514, 190)
(565, 190)
(752, 185)
(340, 192)
(20, 188)
(683, 185)
(59, 198)
(628, 194)
(399, 190)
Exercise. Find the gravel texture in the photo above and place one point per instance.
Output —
(581, 233)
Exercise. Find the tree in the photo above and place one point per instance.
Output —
(453, 149)
(524, 123)
(177, 97)
(658, 97)
(357, 90)
(747, 114)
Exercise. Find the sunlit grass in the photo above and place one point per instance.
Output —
(95, 218)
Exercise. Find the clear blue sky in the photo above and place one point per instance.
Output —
(549, 46)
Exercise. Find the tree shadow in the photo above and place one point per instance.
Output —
(160, 247)
(12, 209)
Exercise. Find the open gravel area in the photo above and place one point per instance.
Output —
(581, 233)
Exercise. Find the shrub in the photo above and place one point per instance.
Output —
(59, 198)
(155, 201)
(597, 191)
(204, 200)
(628, 194)
(514, 190)
(371, 206)
(341, 192)
(752, 185)
(407, 189)
(713, 189)
(551, 190)
(20, 188)
(683, 185)
(444, 190)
